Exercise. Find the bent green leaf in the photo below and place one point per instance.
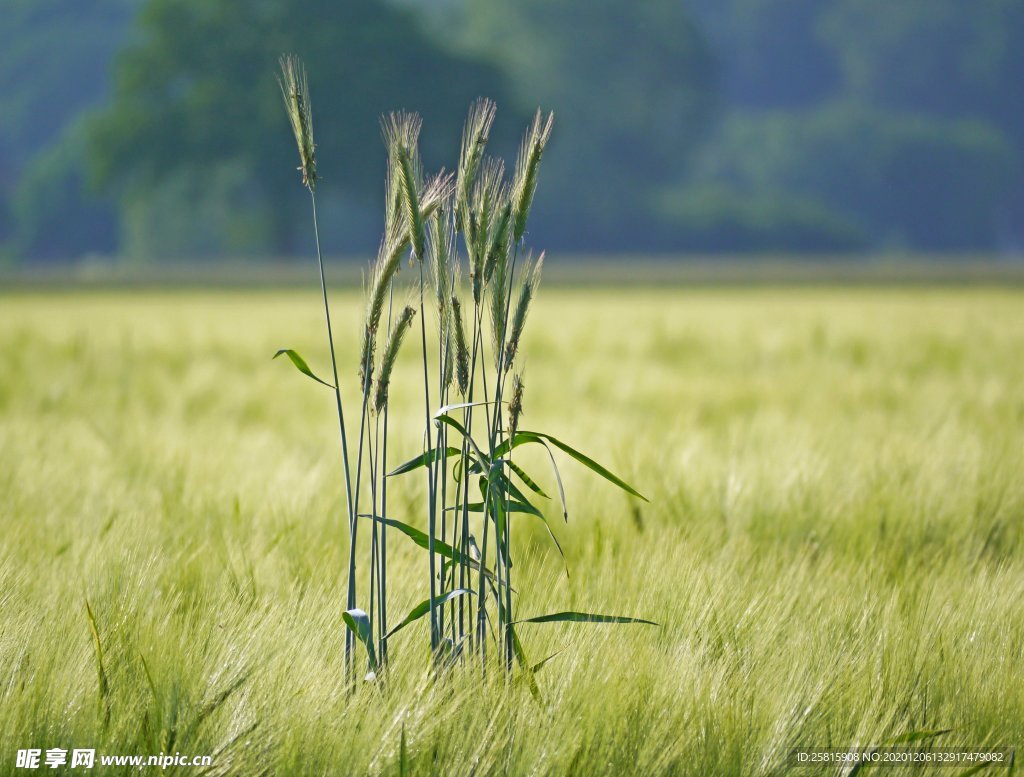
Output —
(524, 437)
(358, 623)
(510, 507)
(446, 409)
(447, 419)
(301, 366)
(101, 672)
(540, 664)
(524, 664)
(527, 480)
(427, 457)
(421, 539)
(423, 608)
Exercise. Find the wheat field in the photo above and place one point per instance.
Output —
(833, 548)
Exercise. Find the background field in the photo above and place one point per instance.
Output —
(833, 544)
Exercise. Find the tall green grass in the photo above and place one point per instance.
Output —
(833, 544)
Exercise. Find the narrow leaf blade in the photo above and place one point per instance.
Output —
(421, 539)
(423, 608)
(584, 617)
(540, 664)
(527, 480)
(510, 507)
(301, 366)
(525, 437)
(427, 457)
(524, 664)
(447, 419)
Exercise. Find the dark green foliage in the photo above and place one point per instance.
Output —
(905, 179)
(634, 91)
(54, 213)
(196, 92)
(845, 125)
(55, 57)
(875, 123)
(54, 60)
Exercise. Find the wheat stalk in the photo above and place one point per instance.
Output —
(295, 90)
(387, 362)
(527, 292)
(527, 167)
(424, 216)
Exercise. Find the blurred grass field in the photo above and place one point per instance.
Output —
(834, 545)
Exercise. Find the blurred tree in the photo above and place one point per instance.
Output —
(843, 122)
(54, 56)
(196, 109)
(943, 58)
(632, 87)
(903, 179)
(897, 118)
(54, 59)
(772, 52)
(54, 216)
(716, 217)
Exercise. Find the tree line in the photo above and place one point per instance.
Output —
(151, 129)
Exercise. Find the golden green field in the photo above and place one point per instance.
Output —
(834, 544)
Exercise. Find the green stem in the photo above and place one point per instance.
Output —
(349, 638)
(503, 543)
(382, 600)
(432, 516)
(467, 420)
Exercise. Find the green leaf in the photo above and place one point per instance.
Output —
(101, 673)
(498, 514)
(531, 510)
(504, 484)
(358, 623)
(447, 419)
(511, 507)
(423, 608)
(423, 459)
(540, 664)
(403, 756)
(300, 365)
(523, 437)
(527, 480)
(421, 539)
(520, 654)
(558, 482)
(523, 506)
(584, 617)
